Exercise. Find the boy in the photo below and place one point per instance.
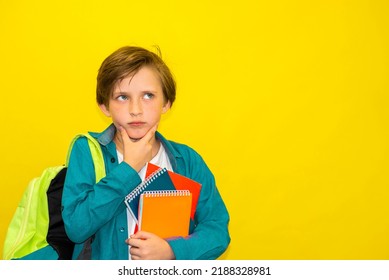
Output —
(134, 88)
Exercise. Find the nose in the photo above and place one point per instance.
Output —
(135, 108)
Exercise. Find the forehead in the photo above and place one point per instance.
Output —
(145, 77)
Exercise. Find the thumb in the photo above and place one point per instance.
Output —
(142, 235)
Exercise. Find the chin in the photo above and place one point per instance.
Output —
(136, 136)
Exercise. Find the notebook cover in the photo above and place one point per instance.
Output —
(158, 180)
(181, 182)
(166, 214)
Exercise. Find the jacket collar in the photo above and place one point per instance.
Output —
(105, 137)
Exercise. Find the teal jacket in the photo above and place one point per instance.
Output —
(98, 209)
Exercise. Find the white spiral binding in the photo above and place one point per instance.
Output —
(166, 193)
(142, 186)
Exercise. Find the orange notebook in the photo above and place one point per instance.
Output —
(165, 213)
(181, 183)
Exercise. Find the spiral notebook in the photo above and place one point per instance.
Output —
(181, 183)
(165, 213)
(156, 181)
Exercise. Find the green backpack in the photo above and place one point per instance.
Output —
(36, 230)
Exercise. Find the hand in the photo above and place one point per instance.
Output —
(137, 153)
(148, 246)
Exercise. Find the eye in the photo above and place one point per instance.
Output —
(148, 95)
(122, 98)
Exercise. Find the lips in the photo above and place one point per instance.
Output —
(136, 124)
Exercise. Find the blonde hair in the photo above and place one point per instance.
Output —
(129, 60)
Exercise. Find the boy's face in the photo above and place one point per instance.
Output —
(137, 103)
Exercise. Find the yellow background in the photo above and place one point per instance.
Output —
(287, 101)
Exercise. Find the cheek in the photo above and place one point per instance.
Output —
(118, 115)
(119, 110)
(155, 114)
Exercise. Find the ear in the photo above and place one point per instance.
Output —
(105, 110)
(166, 107)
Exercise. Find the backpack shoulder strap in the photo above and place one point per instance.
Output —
(96, 152)
(98, 161)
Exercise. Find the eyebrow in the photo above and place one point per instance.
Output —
(143, 91)
(147, 91)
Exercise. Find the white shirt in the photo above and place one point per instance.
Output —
(161, 159)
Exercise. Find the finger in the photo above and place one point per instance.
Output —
(134, 252)
(135, 255)
(134, 242)
(142, 235)
(124, 135)
(135, 258)
(150, 134)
